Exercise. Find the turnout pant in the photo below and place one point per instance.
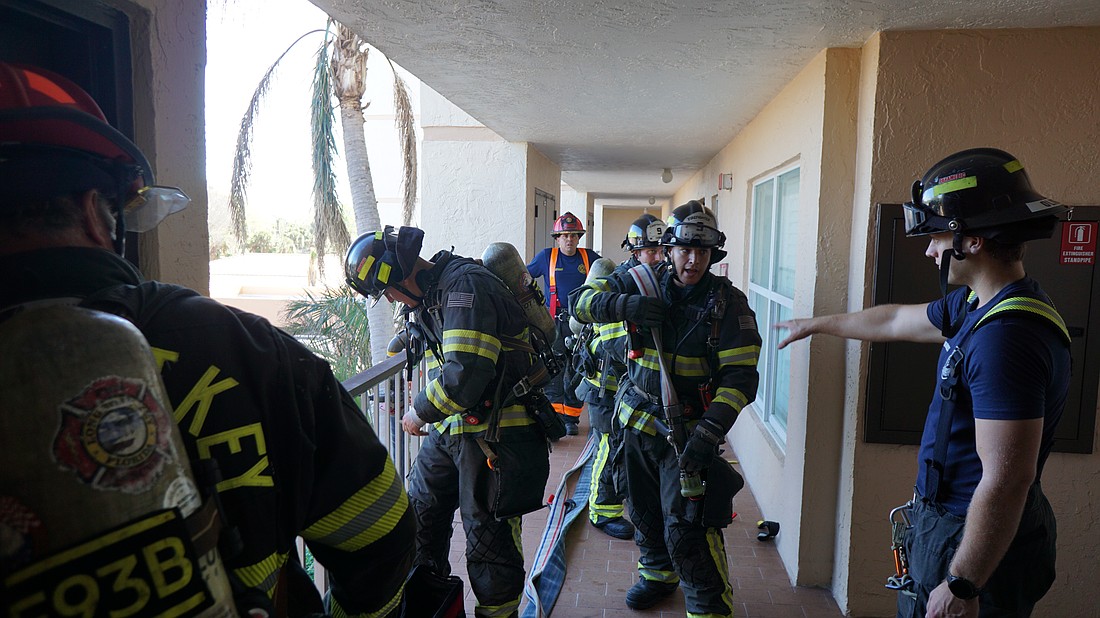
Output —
(1020, 580)
(605, 501)
(672, 546)
(450, 473)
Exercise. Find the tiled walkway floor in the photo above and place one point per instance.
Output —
(601, 568)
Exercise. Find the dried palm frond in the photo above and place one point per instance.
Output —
(242, 157)
(406, 129)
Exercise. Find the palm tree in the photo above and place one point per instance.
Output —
(340, 73)
(334, 325)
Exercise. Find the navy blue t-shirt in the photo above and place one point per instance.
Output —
(1013, 368)
(569, 272)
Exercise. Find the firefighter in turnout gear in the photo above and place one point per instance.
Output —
(485, 453)
(709, 350)
(563, 268)
(983, 536)
(292, 454)
(606, 352)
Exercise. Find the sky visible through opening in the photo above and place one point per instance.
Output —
(244, 37)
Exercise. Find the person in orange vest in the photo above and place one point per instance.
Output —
(563, 269)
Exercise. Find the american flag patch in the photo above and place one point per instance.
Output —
(747, 322)
(460, 299)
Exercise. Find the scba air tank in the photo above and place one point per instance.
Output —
(504, 261)
(599, 269)
(95, 485)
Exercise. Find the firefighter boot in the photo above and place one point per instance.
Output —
(617, 527)
(646, 593)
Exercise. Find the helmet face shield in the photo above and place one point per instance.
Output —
(980, 192)
(695, 234)
(151, 205)
(915, 219)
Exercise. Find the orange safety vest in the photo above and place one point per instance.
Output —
(555, 304)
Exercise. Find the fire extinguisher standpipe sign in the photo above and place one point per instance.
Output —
(1078, 242)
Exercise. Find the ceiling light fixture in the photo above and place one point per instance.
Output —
(651, 200)
(666, 175)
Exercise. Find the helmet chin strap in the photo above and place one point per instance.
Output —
(954, 253)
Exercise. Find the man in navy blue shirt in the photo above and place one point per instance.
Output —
(983, 535)
(563, 268)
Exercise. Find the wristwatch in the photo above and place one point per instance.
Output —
(962, 587)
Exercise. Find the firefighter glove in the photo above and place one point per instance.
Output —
(702, 446)
(642, 310)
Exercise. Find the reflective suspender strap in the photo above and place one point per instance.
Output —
(554, 305)
(949, 377)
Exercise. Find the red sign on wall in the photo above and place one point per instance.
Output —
(1078, 242)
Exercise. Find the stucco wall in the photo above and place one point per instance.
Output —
(168, 44)
(544, 175)
(1033, 93)
(811, 124)
(616, 222)
(473, 183)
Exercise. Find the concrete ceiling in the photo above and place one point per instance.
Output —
(613, 91)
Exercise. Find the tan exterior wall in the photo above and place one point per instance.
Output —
(545, 176)
(168, 45)
(615, 224)
(861, 124)
(476, 188)
(472, 183)
(809, 124)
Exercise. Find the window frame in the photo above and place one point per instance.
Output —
(772, 302)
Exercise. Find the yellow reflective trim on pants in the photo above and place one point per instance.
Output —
(506, 609)
(717, 549)
(264, 574)
(658, 575)
(731, 397)
(597, 511)
(365, 517)
(471, 342)
(497, 611)
(746, 356)
(438, 398)
(336, 611)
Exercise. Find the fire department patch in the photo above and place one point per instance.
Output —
(22, 534)
(114, 435)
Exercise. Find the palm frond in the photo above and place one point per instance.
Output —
(328, 218)
(335, 326)
(242, 157)
(406, 129)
